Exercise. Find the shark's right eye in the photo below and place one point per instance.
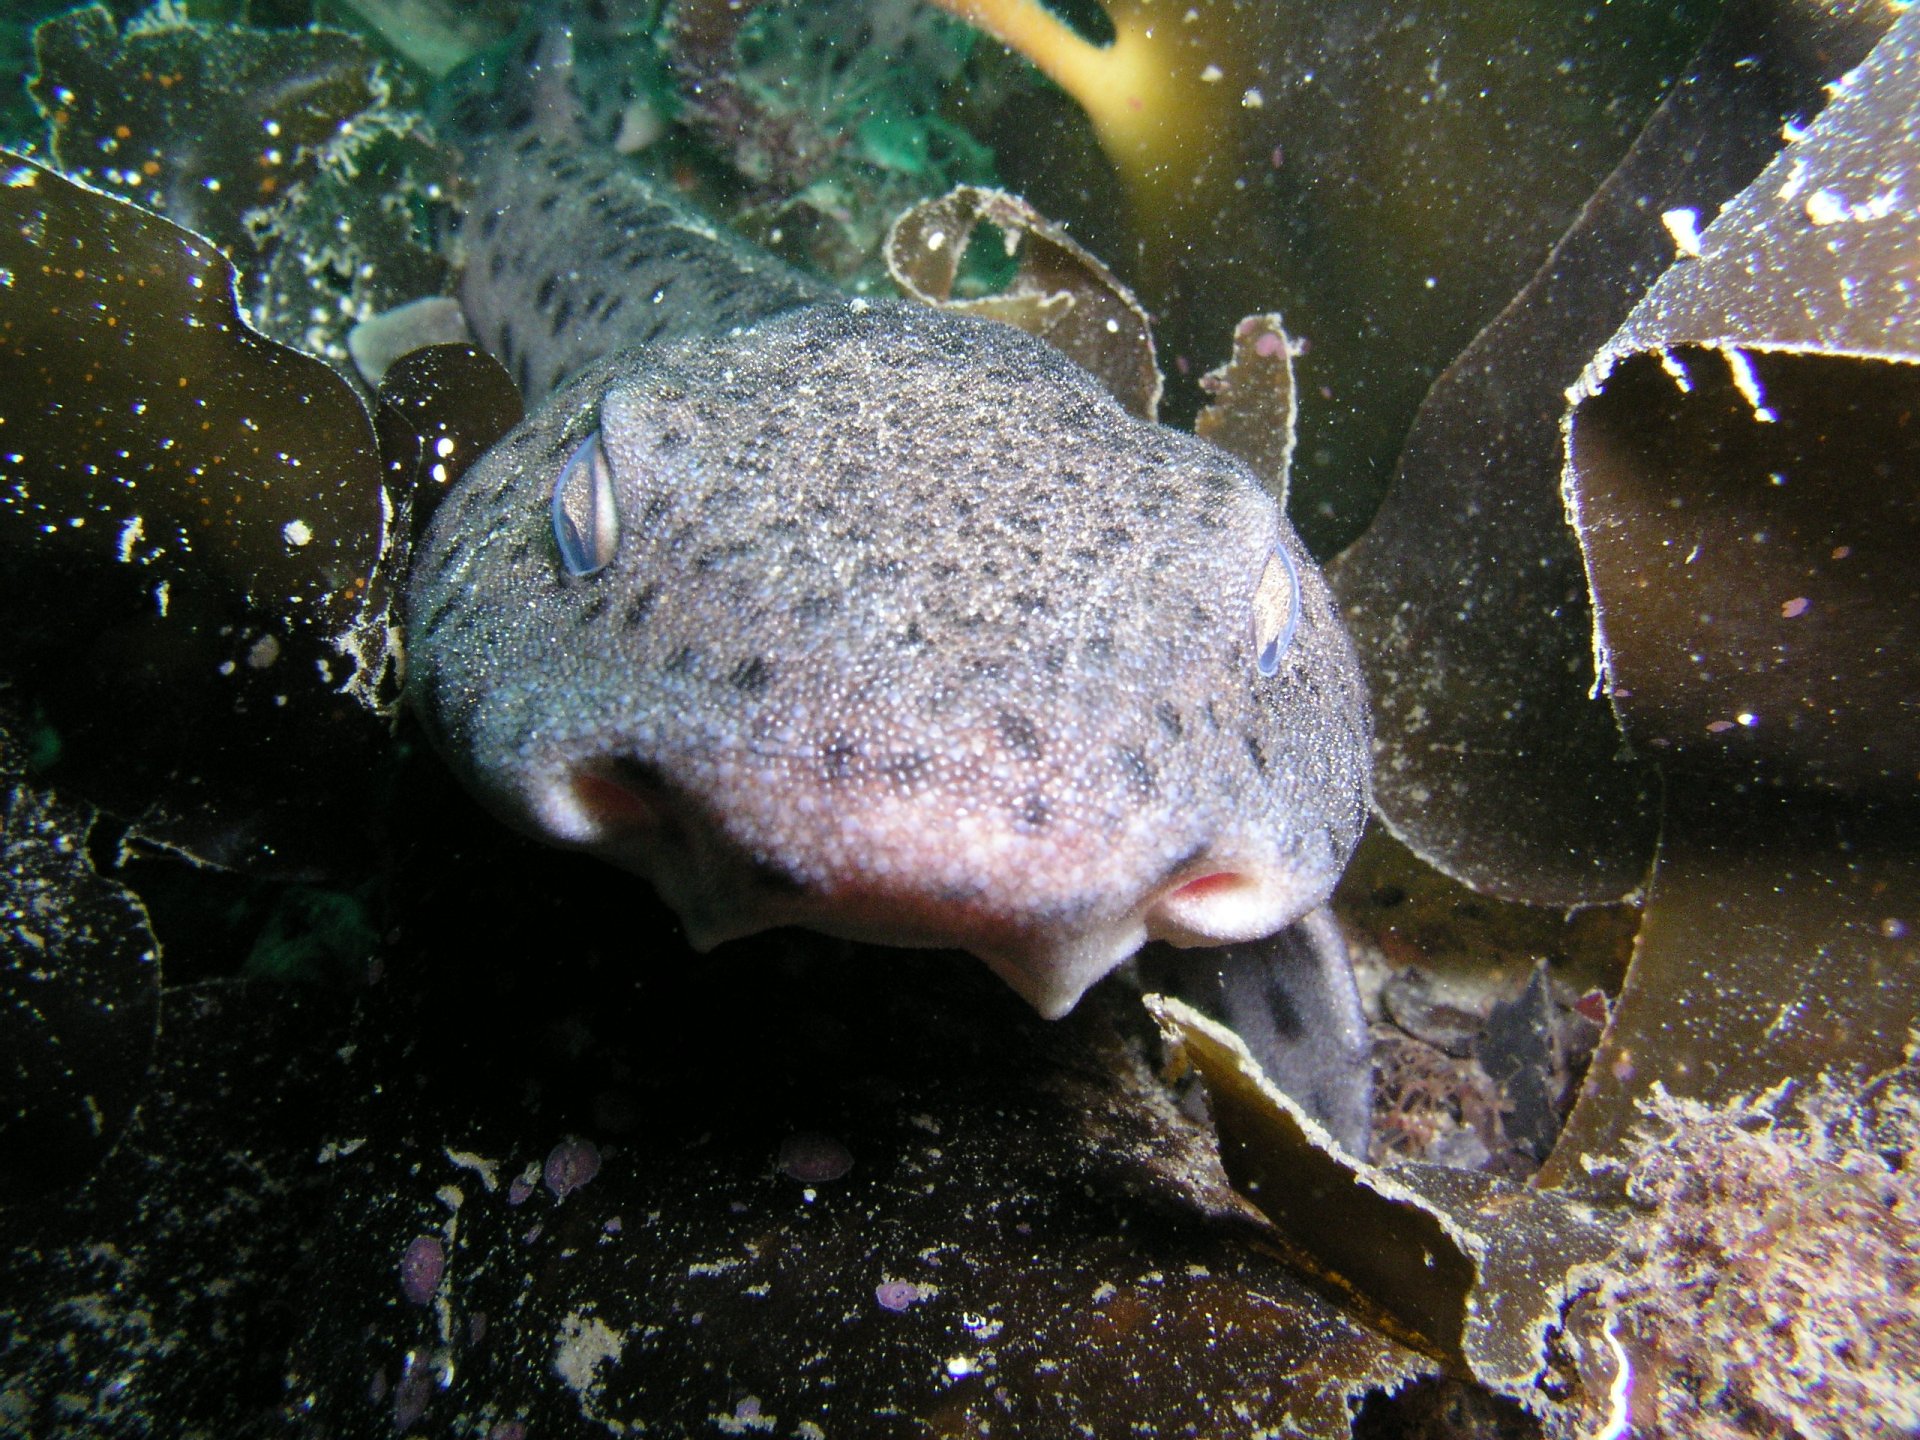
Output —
(586, 526)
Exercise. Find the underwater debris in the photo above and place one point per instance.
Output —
(147, 1301)
(1770, 1285)
(79, 985)
(1060, 1246)
(377, 342)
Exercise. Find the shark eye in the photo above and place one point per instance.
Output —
(1276, 610)
(586, 526)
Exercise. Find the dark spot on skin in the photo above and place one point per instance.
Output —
(562, 315)
(1116, 537)
(496, 262)
(549, 203)
(490, 226)
(1157, 501)
(837, 757)
(680, 662)
(1033, 810)
(640, 605)
(595, 608)
(751, 676)
(715, 556)
(911, 638)
(439, 614)
(1019, 734)
(815, 607)
(1139, 774)
(669, 440)
(523, 373)
(544, 295)
(1256, 753)
(1169, 719)
(1028, 601)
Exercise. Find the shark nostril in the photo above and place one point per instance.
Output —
(1215, 906)
(624, 795)
(1204, 887)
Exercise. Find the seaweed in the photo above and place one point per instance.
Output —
(1058, 290)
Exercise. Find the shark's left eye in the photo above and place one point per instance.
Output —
(1276, 610)
(586, 526)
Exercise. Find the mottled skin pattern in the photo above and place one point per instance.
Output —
(912, 634)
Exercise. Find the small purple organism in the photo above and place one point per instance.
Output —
(897, 1295)
(518, 1190)
(508, 1430)
(422, 1264)
(411, 1395)
(814, 1158)
(570, 1164)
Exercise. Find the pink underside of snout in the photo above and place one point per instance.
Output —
(1050, 909)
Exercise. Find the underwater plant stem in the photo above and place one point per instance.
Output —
(1155, 97)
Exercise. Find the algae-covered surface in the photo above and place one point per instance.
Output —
(1589, 335)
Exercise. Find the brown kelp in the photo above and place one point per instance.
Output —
(1499, 761)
